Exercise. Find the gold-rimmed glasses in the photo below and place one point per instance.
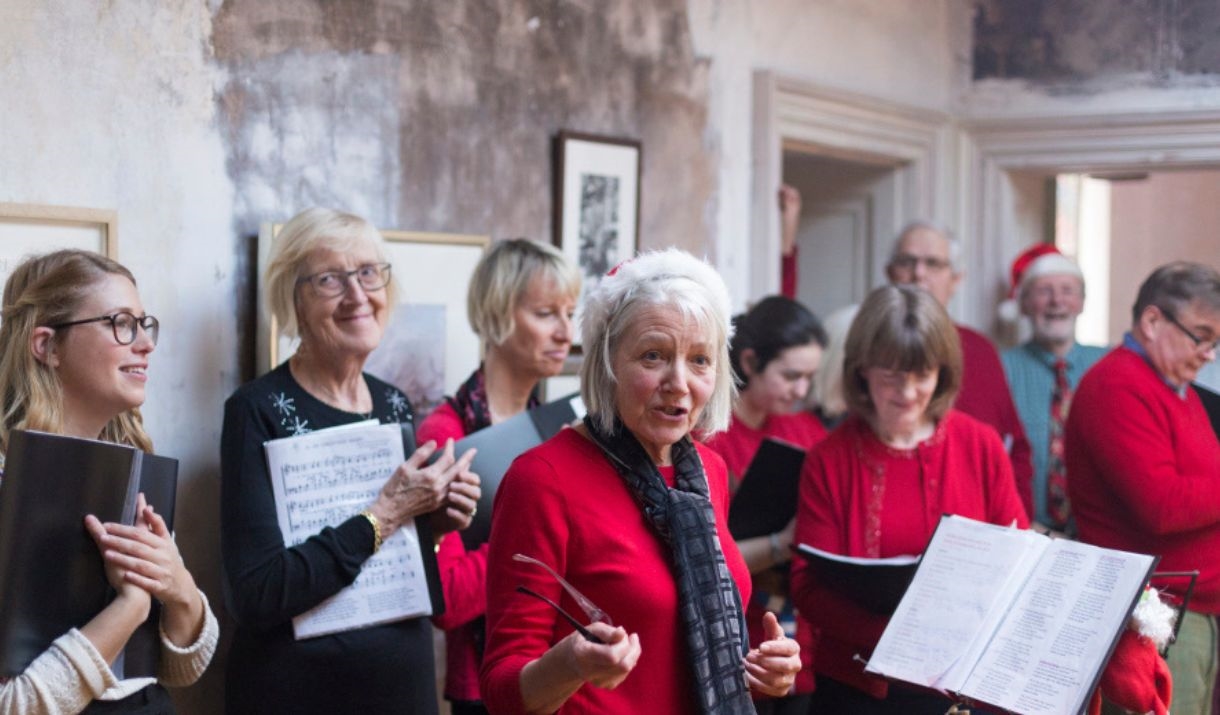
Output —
(595, 614)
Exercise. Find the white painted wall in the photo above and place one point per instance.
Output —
(904, 52)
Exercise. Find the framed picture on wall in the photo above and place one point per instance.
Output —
(428, 348)
(597, 202)
(28, 229)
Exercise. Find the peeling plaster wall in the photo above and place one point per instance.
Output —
(111, 106)
(1053, 57)
(911, 53)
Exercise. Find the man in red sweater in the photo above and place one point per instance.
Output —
(927, 256)
(1143, 464)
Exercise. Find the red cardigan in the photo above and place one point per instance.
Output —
(737, 446)
(861, 498)
(1144, 470)
(563, 503)
(985, 396)
(463, 581)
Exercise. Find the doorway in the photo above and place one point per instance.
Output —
(846, 210)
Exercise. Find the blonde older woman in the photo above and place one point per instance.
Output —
(878, 485)
(520, 303)
(329, 283)
(631, 511)
(77, 347)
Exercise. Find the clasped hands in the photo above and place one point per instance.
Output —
(446, 487)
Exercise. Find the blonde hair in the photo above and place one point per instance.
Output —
(315, 229)
(827, 389)
(45, 290)
(671, 278)
(502, 277)
(902, 328)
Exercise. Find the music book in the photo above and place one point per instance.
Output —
(500, 444)
(1011, 619)
(324, 477)
(52, 577)
(766, 498)
(876, 584)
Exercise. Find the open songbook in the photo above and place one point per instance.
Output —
(321, 479)
(1009, 618)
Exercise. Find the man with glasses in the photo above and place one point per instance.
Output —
(927, 256)
(1144, 465)
(1048, 290)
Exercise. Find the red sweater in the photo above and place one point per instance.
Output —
(563, 503)
(861, 498)
(985, 396)
(463, 581)
(738, 445)
(1144, 470)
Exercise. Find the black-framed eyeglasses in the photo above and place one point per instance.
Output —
(908, 262)
(595, 614)
(124, 324)
(1206, 346)
(329, 284)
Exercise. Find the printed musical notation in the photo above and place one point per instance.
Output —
(324, 478)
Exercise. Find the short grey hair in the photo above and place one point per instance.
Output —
(955, 246)
(315, 229)
(502, 277)
(670, 278)
(1177, 285)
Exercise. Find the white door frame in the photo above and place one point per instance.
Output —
(793, 113)
(990, 147)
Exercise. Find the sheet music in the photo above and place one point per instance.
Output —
(321, 479)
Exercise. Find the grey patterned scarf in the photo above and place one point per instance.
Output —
(707, 595)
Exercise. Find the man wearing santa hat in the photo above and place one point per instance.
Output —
(1048, 290)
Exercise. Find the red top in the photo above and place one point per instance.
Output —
(564, 504)
(463, 581)
(1144, 470)
(787, 274)
(985, 396)
(737, 446)
(861, 498)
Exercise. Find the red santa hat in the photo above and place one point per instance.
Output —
(1037, 261)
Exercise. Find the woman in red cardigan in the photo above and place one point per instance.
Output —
(776, 350)
(878, 485)
(629, 510)
(520, 303)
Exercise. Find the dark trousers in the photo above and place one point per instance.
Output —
(790, 705)
(466, 707)
(153, 700)
(835, 698)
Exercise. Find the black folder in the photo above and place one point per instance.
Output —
(876, 584)
(51, 572)
(766, 499)
(500, 444)
(1211, 403)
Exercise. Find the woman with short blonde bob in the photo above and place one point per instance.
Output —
(76, 349)
(631, 511)
(878, 485)
(520, 303)
(329, 283)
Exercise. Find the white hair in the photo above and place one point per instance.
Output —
(955, 247)
(673, 278)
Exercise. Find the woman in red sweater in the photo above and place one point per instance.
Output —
(520, 303)
(775, 352)
(878, 485)
(630, 511)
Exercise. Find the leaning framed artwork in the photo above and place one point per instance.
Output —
(597, 202)
(428, 348)
(27, 229)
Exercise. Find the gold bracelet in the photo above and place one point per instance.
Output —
(376, 529)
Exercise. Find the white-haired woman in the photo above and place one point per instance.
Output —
(631, 511)
(329, 283)
(520, 303)
(76, 349)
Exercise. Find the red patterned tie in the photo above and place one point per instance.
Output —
(1056, 474)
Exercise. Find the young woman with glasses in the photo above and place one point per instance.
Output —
(77, 344)
(328, 282)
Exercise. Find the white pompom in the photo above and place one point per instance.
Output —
(1009, 311)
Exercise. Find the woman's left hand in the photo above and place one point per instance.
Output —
(771, 668)
(149, 557)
